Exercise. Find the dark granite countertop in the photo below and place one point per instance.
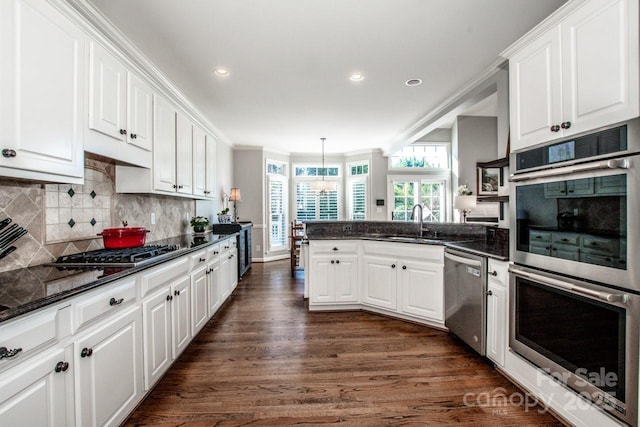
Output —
(31, 288)
(481, 247)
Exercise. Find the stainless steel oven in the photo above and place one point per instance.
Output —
(582, 334)
(576, 206)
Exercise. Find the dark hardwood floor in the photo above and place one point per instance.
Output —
(264, 360)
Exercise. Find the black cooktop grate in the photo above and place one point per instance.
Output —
(124, 257)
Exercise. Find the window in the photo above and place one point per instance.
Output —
(357, 184)
(428, 192)
(428, 156)
(277, 184)
(311, 205)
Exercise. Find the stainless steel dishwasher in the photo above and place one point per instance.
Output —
(465, 286)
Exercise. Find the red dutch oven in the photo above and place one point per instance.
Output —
(123, 237)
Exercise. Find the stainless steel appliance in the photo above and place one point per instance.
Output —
(582, 334)
(465, 276)
(119, 258)
(576, 204)
(574, 288)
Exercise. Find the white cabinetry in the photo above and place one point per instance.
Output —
(199, 299)
(333, 272)
(228, 267)
(164, 145)
(120, 110)
(497, 308)
(210, 167)
(199, 161)
(184, 154)
(576, 76)
(380, 281)
(422, 289)
(42, 86)
(109, 370)
(213, 280)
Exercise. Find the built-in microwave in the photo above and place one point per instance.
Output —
(575, 206)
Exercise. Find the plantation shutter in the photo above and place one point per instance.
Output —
(358, 200)
(277, 214)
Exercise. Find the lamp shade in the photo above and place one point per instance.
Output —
(464, 202)
(235, 195)
(322, 186)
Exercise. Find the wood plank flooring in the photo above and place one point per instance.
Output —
(264, 360)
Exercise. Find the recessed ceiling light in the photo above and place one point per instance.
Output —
(221, 72)
(413, 82)
(356, 77)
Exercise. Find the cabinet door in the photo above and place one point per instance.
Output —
(110, 373)
(210, 172)
(600, 64)
(199, 301)
(322, 286)
(496, 322)
(34, 394)
(199, 161)
(156, 321)
(535, 91)
(184, 154)
(213, 282)
(233, 268)
(180, 315)
(42, 86)
(379, 284)
(164, 145)
(422, 289)
(139, 112)
(345, 278)
(107, 93)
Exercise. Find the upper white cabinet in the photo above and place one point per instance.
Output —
(577, 76)
(164, 145)
(184, 154)
(199, 161)
(120, 110)
(42, 86)
(210, 167)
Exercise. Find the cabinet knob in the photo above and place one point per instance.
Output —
(8, 153)
(202, 259)
(5, 352)
(133, 136)
(564, 239)
(175, 186)
(176, 292)
(335, 249)
(207, 192)
(493, 273)
(169, 297)
(404, 267)
(86, 352)
(489, 293)
(114, 301)
(333, 262)
(393, 266)
(337, 261)
(123, 131)
(555, 128)
(180, 186)
(565, 125)
(62, 366)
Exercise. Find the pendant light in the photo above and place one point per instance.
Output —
(322, 186)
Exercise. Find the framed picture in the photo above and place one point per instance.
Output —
(488, 181)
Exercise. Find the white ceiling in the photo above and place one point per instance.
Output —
(290, 61)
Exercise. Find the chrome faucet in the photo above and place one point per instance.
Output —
(420, 219)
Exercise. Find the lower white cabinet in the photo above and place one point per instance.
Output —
(213, 283)
(380, 282)
(109, 370)
(497, 310)
(39, 392)
(199, 300)
(228, 271)
(422, 289)
(334, 279)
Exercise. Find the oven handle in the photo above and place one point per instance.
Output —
(604, 164)
(462, 260)
(604, 296)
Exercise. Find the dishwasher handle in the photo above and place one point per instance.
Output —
(462, 260)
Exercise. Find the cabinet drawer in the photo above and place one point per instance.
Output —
(600, 245)
(539, 236)
(570, 239)
(103, 302)
(164, 274)
(198, 258)
(333, 246)
(228, 244)
(33, 332)
(213, 252)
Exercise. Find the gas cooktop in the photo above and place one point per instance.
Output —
(129, 257)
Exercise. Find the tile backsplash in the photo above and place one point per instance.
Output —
(47, 211)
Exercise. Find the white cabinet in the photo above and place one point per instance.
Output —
(422, 289)
(334, 279)
(39, 392)
(164, 145)
(497, 310)
(380, 281)
(42, 86)
(184, 154)
(157, 330)
(180, 314)
(120, 110)
(577, 76)
(199, 161)
(210, 167)
(228, 268)
(109, 370)
(213, 280)
(199, 299)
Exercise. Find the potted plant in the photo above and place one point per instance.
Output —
(224, 217)
(199, 223)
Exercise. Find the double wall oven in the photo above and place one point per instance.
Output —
(575, 282)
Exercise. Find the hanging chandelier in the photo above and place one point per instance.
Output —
(322, 186)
